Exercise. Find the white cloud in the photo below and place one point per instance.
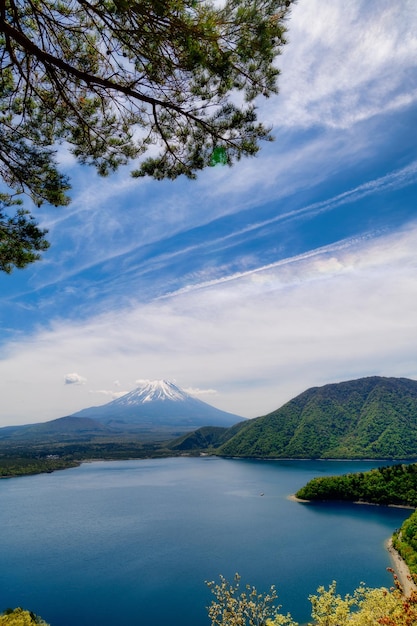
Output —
(142, 382)
(74, 379)
(346, 62)
(111, 395)
(195, 391)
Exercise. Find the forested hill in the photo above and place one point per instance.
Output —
(371, 417)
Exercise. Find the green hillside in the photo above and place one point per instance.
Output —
(371, 417)
(206, 438)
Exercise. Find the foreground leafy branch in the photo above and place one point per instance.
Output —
(113, 80)
(20, 617)
(233, 607)
(366, 607)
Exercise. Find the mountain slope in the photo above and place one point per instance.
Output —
(371, 417)
(62, 429)
(205, 438)
(159, 403)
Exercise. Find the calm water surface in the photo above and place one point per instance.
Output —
(132, 542)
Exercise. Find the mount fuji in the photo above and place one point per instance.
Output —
(156, 411)
(158, 404)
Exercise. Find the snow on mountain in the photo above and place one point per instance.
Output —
(152, 390)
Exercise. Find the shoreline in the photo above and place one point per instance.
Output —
(294, 498)
(400, 568)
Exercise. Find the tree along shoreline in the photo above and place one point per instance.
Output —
(16, 469)
(31, 460)
(294, 498)
(401, 569)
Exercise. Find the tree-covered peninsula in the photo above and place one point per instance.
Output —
(393, 484)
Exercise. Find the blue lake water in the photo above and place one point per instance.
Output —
(133, 542)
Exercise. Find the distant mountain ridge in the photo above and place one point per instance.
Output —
(374, 418)
(157, 410)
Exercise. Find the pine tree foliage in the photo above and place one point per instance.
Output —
(21, 241)
(169, 82)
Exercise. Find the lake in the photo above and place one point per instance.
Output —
(133, 542)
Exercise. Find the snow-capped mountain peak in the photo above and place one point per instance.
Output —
(152, 390)
(159, 404)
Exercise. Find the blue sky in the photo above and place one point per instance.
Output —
(293, 269)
